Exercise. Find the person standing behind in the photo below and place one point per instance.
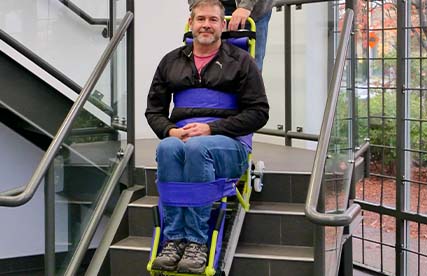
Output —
(219, 101)
(240, 10)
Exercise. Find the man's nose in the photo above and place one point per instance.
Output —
(206, 24)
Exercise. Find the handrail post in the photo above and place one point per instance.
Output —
(113, 63)
(130, 44)
(288, 73)
(49, 205)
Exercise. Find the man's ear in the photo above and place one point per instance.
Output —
(224, 25)
(190, 21)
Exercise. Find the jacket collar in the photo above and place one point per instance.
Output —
(224, 48)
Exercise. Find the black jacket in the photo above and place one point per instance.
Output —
(232, 70)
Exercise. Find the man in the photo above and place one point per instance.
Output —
(240, 10)
(219, 101)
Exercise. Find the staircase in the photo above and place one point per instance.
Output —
(276, 236)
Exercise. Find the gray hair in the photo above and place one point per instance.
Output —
(212, 3)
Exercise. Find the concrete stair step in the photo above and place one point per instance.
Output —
(277, 223)
(272, 260)
(129, 257)
(141, 216)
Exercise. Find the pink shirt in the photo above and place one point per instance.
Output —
(202, 61)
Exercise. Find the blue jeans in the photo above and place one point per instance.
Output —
(261, 38)
(200, 159)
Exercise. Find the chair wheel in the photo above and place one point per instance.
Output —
(259, 168)
(257, 185)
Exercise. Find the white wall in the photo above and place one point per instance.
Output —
(73, 46)
(22, 228)
(159, 27)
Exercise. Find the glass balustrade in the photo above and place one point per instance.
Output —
(336, 181)
(59, 35)
(83, 167)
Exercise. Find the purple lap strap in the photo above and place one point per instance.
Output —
(182, 194)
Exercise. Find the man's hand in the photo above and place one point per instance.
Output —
(238, 18)
(190, 130)
(196, 129)
(179, 133)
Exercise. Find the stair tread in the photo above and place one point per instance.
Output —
(277, 252)
(256, 206)
(146, 201)
(277, 158)
(134, 243)
(279, 208)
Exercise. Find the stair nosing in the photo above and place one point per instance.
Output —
(132, 248)
(273, 256)
(144, 205)
(255, 210)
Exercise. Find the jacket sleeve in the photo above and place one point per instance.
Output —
(247, 4)
(253, 104)
(158, 102)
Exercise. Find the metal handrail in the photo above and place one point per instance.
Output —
(278, 4)
(362, 149)
(289, 134)
(25, 193)
(93, 223)
(84, 15)
(322, 147)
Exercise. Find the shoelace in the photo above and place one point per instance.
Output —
(170, 249)
(194, 251)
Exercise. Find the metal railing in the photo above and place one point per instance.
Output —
(84, 15)
(289, 134)
(313, 194)
(21, 195)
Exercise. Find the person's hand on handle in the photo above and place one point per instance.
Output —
(238, 19)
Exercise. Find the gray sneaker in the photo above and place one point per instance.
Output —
(169, 256)
(194, 259)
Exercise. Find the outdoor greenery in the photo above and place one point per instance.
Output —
(376, 74)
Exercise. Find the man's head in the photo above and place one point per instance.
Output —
(207, 21)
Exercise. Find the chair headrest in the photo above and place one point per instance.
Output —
(237, 38)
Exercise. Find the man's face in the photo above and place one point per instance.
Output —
(207, 24)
